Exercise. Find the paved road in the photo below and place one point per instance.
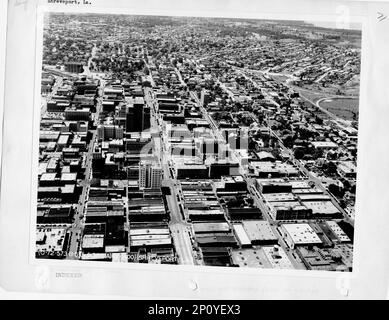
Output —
(178, 227)
(266, 94)
(79, 218)
(206, 115)
(45, 99)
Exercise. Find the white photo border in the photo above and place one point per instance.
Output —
(341, 286)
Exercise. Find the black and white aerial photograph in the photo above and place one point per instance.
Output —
(213, 142)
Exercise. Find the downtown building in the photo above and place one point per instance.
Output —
(138, 116)
(150, 175)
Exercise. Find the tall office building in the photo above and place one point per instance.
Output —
(130, 119)
(73, 114)
(146, 118)
(138, 116)
(107, 132)
(150, 175)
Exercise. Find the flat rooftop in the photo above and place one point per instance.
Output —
(277, 258)
(279, 197)
(241, 234)
(146, 231)
(93, 241)
(211, 227)
(324, 144)
(321, 207)
(301, 233)
(250, 258)
(258, 230)
(338, 231)
(50, 239)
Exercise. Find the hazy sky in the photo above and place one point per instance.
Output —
(353, 25)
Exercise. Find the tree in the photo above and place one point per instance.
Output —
(147, 84)
(331, 168)
(252, 144)
(299, 153)
(347, 185)
(343, 203)
(288, 141)
(336, 190)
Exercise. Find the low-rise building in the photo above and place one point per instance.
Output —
(299, 234)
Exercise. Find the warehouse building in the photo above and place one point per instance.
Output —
(278, 258)
(216, 256)
(239, 214)
(206, 215)
(241, 235)
(266, 186)
(55, 214)
(250, 258)
(149, 237)
(338, 232)
(300, 234)
(259, 232)
(323, 209)
(211, 227)
(51, 242)
(93, 243)
(216, 240)
(291, 210)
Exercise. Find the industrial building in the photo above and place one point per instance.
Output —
(51, 242)
(149, 237)
(259, 232)
(299, 234)
(241, 235)
(278, 258)
(216, 256)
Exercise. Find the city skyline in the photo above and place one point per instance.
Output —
(198, 141)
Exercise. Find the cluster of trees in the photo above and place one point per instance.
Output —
(244, 120)
(118, 65)
(222, 116)
(239, 201)
(57, 51)
(341, 192)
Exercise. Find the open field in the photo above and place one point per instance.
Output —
(344, 108)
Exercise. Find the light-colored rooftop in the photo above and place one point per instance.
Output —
(258, 230)
(241, 234)
(279, 197)
(339, 233)
(277, 258)
(50, 239)
(211, 227)
(321, 207)
(301, 233)
(93, 241)
(324, 144)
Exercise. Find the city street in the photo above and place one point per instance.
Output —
(58, 83)
(79, 217)
(177, 225)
